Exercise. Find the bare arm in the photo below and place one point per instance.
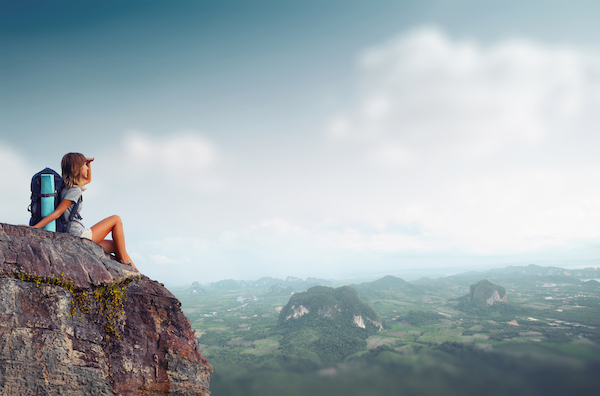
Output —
(88, 179)
(54, 215)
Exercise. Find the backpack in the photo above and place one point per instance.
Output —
(35, 207)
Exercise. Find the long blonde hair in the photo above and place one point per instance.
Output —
(71, 169)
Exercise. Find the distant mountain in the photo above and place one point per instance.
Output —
(300, 285)
(325, 324)
(389, 282)
(537, 270)
(278, 289)
(532, 274)
(387, 287)
(196, 288)
(226, 284)
(265, 283)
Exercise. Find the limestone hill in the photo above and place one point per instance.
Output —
(325, 324)
(486, 296)
(485, 293)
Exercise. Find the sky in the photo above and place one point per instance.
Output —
(337, 139)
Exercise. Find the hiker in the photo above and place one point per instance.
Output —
(76, 173)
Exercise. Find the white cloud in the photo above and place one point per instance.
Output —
(281, 227)
(393, 155)
(384, 242)
(186, 160)
(423, 89)
(520, 211)
(186, 152)
(487, 147)
(16, 179)
(162, 260)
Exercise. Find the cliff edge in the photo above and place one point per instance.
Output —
(73, 321)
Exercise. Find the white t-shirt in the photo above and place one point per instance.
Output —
(73, 194)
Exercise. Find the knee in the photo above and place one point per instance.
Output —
(115, 219)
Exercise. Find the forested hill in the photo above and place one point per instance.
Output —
(483, 294)
(341, 307)
(325, 324)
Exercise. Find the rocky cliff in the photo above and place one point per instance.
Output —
(73, 321)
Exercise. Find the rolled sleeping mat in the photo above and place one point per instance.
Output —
(48, 199)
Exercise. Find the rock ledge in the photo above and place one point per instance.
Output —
(73, 321)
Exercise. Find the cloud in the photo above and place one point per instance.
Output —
(16, 179)
(393, 154)
(182, 153)
(484, 149)
(522, 211)
(162, 260)
(382, 242)
(156, 184)
(423, 90)
(281, 227)
(185, 159)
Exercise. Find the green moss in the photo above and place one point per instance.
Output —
(109, 298)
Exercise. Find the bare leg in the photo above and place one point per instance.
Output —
(117, 244)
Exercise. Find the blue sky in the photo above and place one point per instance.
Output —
(336, 139)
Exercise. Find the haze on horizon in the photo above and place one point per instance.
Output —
(331, 139)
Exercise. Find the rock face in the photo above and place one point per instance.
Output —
(73, 321)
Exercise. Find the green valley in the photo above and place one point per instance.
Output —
(519, 330)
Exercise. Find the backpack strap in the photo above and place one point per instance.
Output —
(74, 214)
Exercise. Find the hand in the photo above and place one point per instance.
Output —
(88, 160)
